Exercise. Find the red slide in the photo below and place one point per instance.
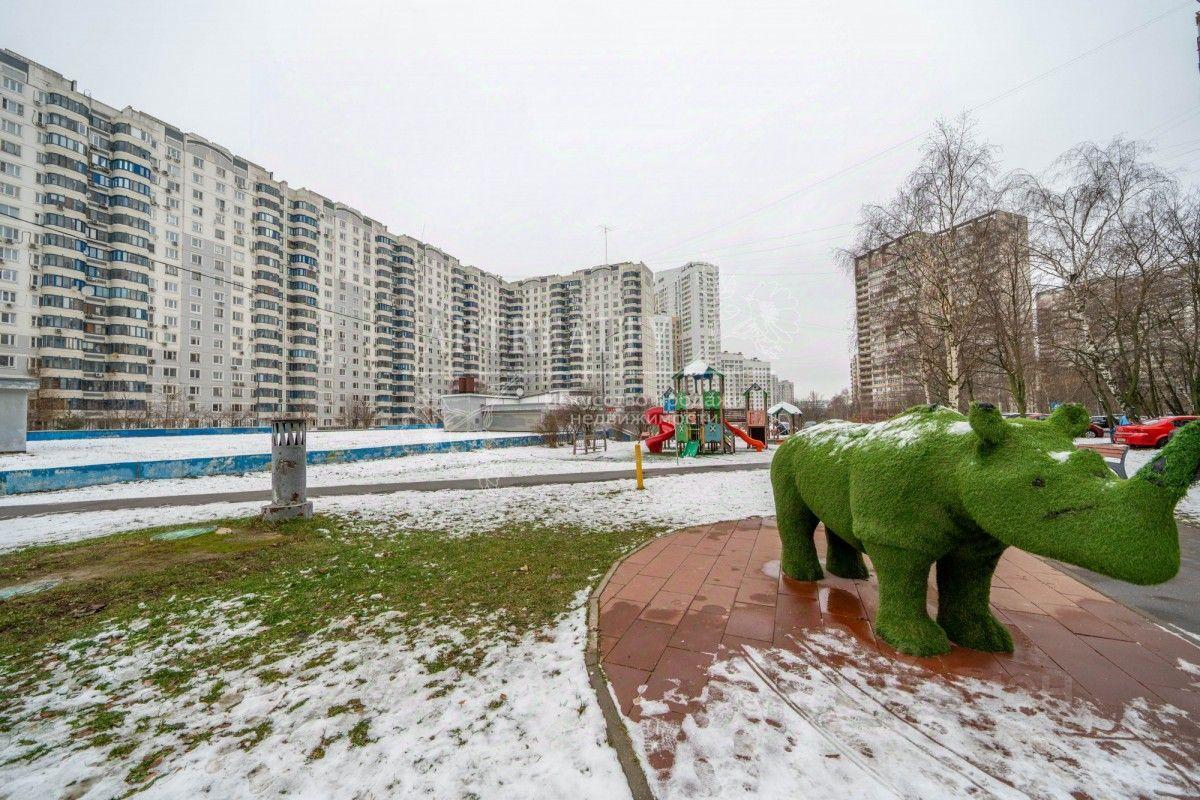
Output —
(745, 437)
(654, 416)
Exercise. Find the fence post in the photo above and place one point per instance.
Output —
(288, 474)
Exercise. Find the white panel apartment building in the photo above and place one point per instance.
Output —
(692, 294)
(742, 372)
(153, 276)
(666, 353)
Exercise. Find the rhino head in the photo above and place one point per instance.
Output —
(1026, 485)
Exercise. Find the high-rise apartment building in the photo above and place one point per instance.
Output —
(887, 373)
(782, 390)
(741, 372)
(153, 276)
(692, 294)
(666, 353)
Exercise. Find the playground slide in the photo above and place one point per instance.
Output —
(654, 416)
(745, 437)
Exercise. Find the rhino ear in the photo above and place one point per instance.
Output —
(1070, 418)
(987, 423)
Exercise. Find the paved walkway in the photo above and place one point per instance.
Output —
(1174, 602)
(673, 609)
(17, 510)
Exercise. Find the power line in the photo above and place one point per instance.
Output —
(892, 148)
(761, 250)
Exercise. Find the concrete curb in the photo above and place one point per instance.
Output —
(618, 734)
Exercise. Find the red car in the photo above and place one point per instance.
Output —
(1151, 433)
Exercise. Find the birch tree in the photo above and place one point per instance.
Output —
(937, 302)
(1076, 210)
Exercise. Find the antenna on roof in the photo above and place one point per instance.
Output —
(606, 229)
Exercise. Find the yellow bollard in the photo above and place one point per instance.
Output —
(637, 462)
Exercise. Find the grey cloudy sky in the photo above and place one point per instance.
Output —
(507, 132)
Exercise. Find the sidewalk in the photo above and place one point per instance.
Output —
(703, 642)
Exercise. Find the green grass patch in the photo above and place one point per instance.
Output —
(308, 584)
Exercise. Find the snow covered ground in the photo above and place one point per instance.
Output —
(526, 724)
(481, 464)
(833, 718)
(151, 448)
(677, 500)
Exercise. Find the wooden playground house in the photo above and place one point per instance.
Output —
(756, 412)
(784, 411)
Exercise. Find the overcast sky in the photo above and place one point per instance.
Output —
(506, 133)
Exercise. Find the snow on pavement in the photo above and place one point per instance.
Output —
(677, 500)
(524, 725)
(835, 719)
(69, 452)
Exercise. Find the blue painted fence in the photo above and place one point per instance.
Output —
(136, 433)
(47, 479)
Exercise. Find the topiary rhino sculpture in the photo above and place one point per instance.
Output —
(931, 486)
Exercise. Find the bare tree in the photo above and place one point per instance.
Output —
(1180, 315)
(1006, 310)
(936, 299)
(358, 412)
(1077, 212)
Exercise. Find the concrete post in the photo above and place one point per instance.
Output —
(14, 410)
(288, 474)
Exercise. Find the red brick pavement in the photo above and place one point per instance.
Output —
(673, 607)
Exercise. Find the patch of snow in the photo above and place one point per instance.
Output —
(771, 569)
(526, 724)
(651, 708)
(668, 501)
(479, 464)
(835, 719)
(960, 427)
(1061, 456)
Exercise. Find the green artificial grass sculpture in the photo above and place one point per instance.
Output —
(931, 486)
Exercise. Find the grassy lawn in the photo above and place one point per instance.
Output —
(273, 602)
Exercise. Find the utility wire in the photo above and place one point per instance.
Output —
(892, 148)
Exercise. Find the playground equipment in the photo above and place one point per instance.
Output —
(756, 412)
(666, 431)
(700, 426)
(784, 413)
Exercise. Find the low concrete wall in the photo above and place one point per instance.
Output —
(134, 433)
(512, 418)
(47, 479)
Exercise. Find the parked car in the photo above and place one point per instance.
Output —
(1151, 432)
(1098, 428)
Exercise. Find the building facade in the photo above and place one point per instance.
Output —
(692, 294)
(782, 390)
(887, 367)
(665, 329)
(151, 276)
(741, 372)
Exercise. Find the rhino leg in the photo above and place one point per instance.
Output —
(797, 522)
(964, 580)
(843, 560)
(902, 620)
